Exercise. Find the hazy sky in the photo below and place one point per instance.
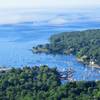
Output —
(20, 10)
(49, 4)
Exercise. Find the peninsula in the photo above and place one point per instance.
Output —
(85, 45)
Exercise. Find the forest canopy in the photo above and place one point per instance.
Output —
(43, 83)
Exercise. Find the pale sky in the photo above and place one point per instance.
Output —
(13, 11)
(41, 4)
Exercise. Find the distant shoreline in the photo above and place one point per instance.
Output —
(34, 50)
(89, 65)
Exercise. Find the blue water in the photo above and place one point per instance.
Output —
(17, 40)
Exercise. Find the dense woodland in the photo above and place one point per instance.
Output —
(84, 44)
(43, 83)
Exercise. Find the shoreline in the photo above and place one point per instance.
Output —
(34, 50)
(89, 65)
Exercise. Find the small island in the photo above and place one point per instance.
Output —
(85, 45)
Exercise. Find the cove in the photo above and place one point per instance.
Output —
(17, 40)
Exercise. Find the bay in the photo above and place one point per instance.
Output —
(16, 40)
